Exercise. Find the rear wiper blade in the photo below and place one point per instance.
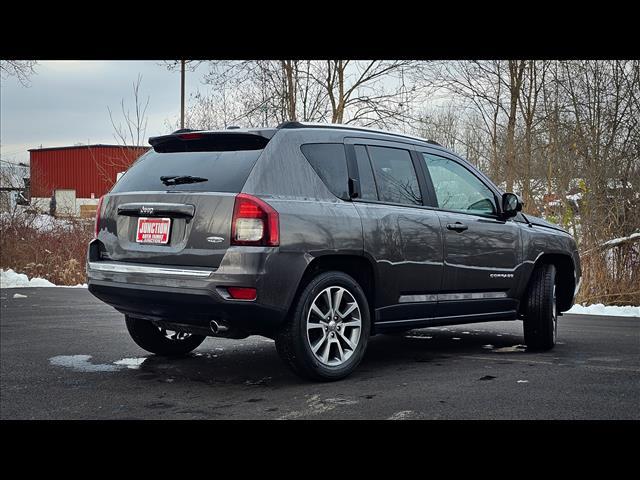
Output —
(181, 179)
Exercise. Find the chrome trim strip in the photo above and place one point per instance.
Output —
(417, 298)
(471, 296)
(445, 297)
(123, 268)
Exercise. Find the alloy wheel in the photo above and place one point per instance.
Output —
(334, 324)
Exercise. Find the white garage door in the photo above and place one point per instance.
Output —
(65, 202)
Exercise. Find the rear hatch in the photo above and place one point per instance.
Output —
(175, 204)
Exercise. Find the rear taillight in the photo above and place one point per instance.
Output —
(98, 213)
(254, 222)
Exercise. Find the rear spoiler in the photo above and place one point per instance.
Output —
(217, 141)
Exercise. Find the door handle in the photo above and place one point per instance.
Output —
(458, 227)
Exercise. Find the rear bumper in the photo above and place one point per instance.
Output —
(186, 305)
(185, 295)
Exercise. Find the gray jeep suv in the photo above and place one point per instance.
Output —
(319, 236)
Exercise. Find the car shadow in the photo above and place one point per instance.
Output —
(256, 364)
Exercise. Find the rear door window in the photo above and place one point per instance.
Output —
(222, 171)
(395, 176)
(330, 163)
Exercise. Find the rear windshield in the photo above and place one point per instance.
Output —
(223, 171)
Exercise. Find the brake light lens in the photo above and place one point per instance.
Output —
(254, 222)
(98, 214)
(190, 136)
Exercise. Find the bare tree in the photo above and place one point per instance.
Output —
(478, 88)
(533, 80)
(374, 93)
(443, 124)
(21, 69)
(266, 92)
(132, 128)
(514, 85)
(129, 132)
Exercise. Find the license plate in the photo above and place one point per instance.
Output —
(153, 230)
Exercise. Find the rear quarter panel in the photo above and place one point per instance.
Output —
(313, 221)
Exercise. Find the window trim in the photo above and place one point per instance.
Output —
(481, 179)
(351, 142)
(354, 172)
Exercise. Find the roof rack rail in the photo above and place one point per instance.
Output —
(290, 124)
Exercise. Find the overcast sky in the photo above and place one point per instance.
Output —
(67, 101)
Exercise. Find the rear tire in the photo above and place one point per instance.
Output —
(326, 336)
(541, 320)
(159, 341)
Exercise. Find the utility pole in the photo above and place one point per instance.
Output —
(182, 63)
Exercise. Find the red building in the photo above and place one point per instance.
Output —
(78, 175)
(90, 170)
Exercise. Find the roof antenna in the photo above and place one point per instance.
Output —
(232, 127)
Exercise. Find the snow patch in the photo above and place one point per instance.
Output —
(575, 197)
(11, 279)
(618, 241)
(132, 363)
(512, 349)
(402, 415)
(40, 221)
(606, 310)
(81, 363)
(317, 406)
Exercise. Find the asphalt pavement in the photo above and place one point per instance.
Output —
(66, 355)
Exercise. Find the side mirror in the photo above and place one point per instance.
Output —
(511, 205)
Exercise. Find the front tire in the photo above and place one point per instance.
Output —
(541, 320)
(160, 341)
(327, 334)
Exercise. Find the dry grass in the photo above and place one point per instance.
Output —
(611, 276)
(40, 246)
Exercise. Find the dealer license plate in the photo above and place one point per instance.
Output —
(153, 230)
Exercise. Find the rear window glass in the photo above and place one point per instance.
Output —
(223, 171)
(330, 163)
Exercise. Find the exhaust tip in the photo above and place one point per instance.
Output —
(218, 328)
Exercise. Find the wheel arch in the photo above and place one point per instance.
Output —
(565, 277)
(356, 266)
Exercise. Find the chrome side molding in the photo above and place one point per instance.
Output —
(124, 268)
(446, 297)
